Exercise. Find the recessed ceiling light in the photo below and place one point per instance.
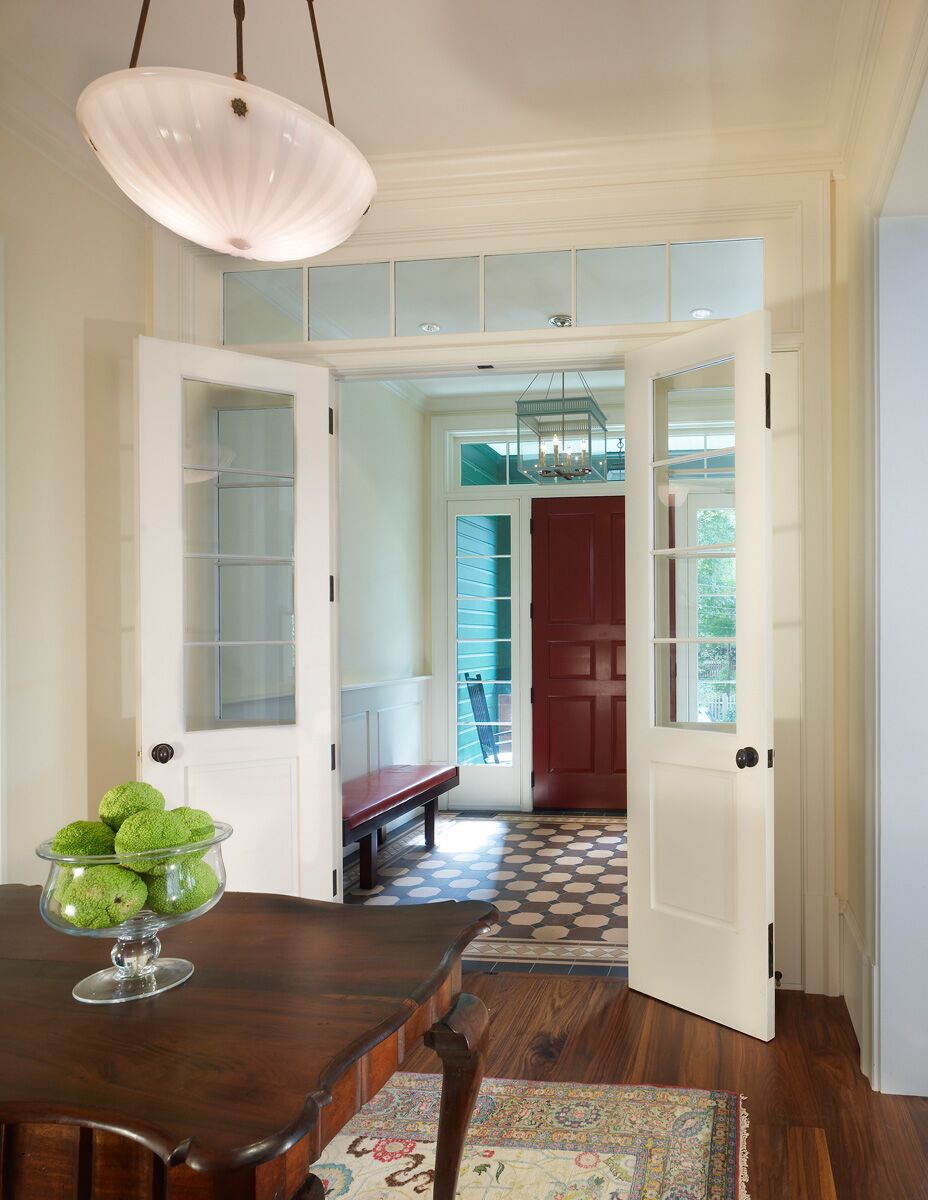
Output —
(560, 321)
(430, 327)
(701, 314)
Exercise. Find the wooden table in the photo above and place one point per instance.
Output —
(231, 1085)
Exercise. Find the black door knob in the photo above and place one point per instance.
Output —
(747, 756)
(163, 753)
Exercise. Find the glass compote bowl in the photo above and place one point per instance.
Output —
(179, 887)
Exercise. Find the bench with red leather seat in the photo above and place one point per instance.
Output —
(370, 801)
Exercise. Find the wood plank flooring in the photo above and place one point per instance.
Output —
(818, 1132)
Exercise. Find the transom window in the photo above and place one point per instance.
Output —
(550, 289)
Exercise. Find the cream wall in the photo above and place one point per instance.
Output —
(900, 59)
(74, 299)
(383, 524)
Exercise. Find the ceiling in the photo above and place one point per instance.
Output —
(487, 390)
(421, 77)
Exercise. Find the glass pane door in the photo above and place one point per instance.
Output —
(483, 639)
(239, 628)
(694, 548)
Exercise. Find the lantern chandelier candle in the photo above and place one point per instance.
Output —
(561, 434)
(223, 163)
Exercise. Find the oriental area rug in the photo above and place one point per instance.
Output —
(546, 1141)
(559, 882)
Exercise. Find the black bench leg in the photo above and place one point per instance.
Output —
(430, 810)
(381, 835)
(368, 855)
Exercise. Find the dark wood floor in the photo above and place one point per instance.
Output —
(817, 1130)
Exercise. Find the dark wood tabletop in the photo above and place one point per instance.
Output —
(297, 1013)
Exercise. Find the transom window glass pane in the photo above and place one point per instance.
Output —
(262, 306)
(493, 464)
(349, 302)
(710, 280)
(483, 463)
(523, 291)
(622, 285)
(437, 292)
(693, 541)
(239, 630)
(483, 573)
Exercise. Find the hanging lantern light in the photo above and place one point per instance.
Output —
(224, 163)
(561, 434)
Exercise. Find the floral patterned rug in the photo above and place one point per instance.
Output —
(546, 1141)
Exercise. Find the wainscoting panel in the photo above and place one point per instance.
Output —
(356, 744)
(384, 724)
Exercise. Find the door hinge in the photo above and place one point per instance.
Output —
(769, 758)
(332, 421)
(332, 755)
(531, 612)
(770, 950)
(531, 525)
(331, 589)
(335, 881)
(767, 398)
(531, 695)
(533, 778)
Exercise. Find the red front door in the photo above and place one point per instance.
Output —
(578, 652)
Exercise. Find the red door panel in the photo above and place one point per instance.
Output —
(578, 652)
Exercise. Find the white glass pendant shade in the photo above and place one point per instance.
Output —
(226, 164)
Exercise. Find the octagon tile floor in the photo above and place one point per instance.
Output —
(558, 880)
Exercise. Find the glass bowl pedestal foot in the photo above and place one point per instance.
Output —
(137, 972)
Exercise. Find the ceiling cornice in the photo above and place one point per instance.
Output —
(47, 125)
(565, 166)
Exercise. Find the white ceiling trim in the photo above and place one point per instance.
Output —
(43, 121)
(49, 126)
(36, 117)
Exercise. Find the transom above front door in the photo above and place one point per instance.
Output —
(578, 653)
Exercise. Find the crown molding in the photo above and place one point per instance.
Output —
(48, 126)
(911, 80)
(572, 166)
(45, 122)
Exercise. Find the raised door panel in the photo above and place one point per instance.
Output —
(571, 579)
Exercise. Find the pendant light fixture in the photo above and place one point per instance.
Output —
(561, 431)
(224, 163)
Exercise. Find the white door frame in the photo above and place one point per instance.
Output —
(186, 303)
(3, 441)
(445, 492)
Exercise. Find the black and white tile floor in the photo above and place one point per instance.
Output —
(559, 882)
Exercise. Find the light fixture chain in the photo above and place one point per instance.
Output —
(238, 8)
(322, 76)
(140, 30)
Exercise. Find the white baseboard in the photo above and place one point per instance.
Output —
(857, 985)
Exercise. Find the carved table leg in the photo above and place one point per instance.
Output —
(460, 1041)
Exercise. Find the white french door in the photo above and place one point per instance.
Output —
(236, 697)
(700, 699)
